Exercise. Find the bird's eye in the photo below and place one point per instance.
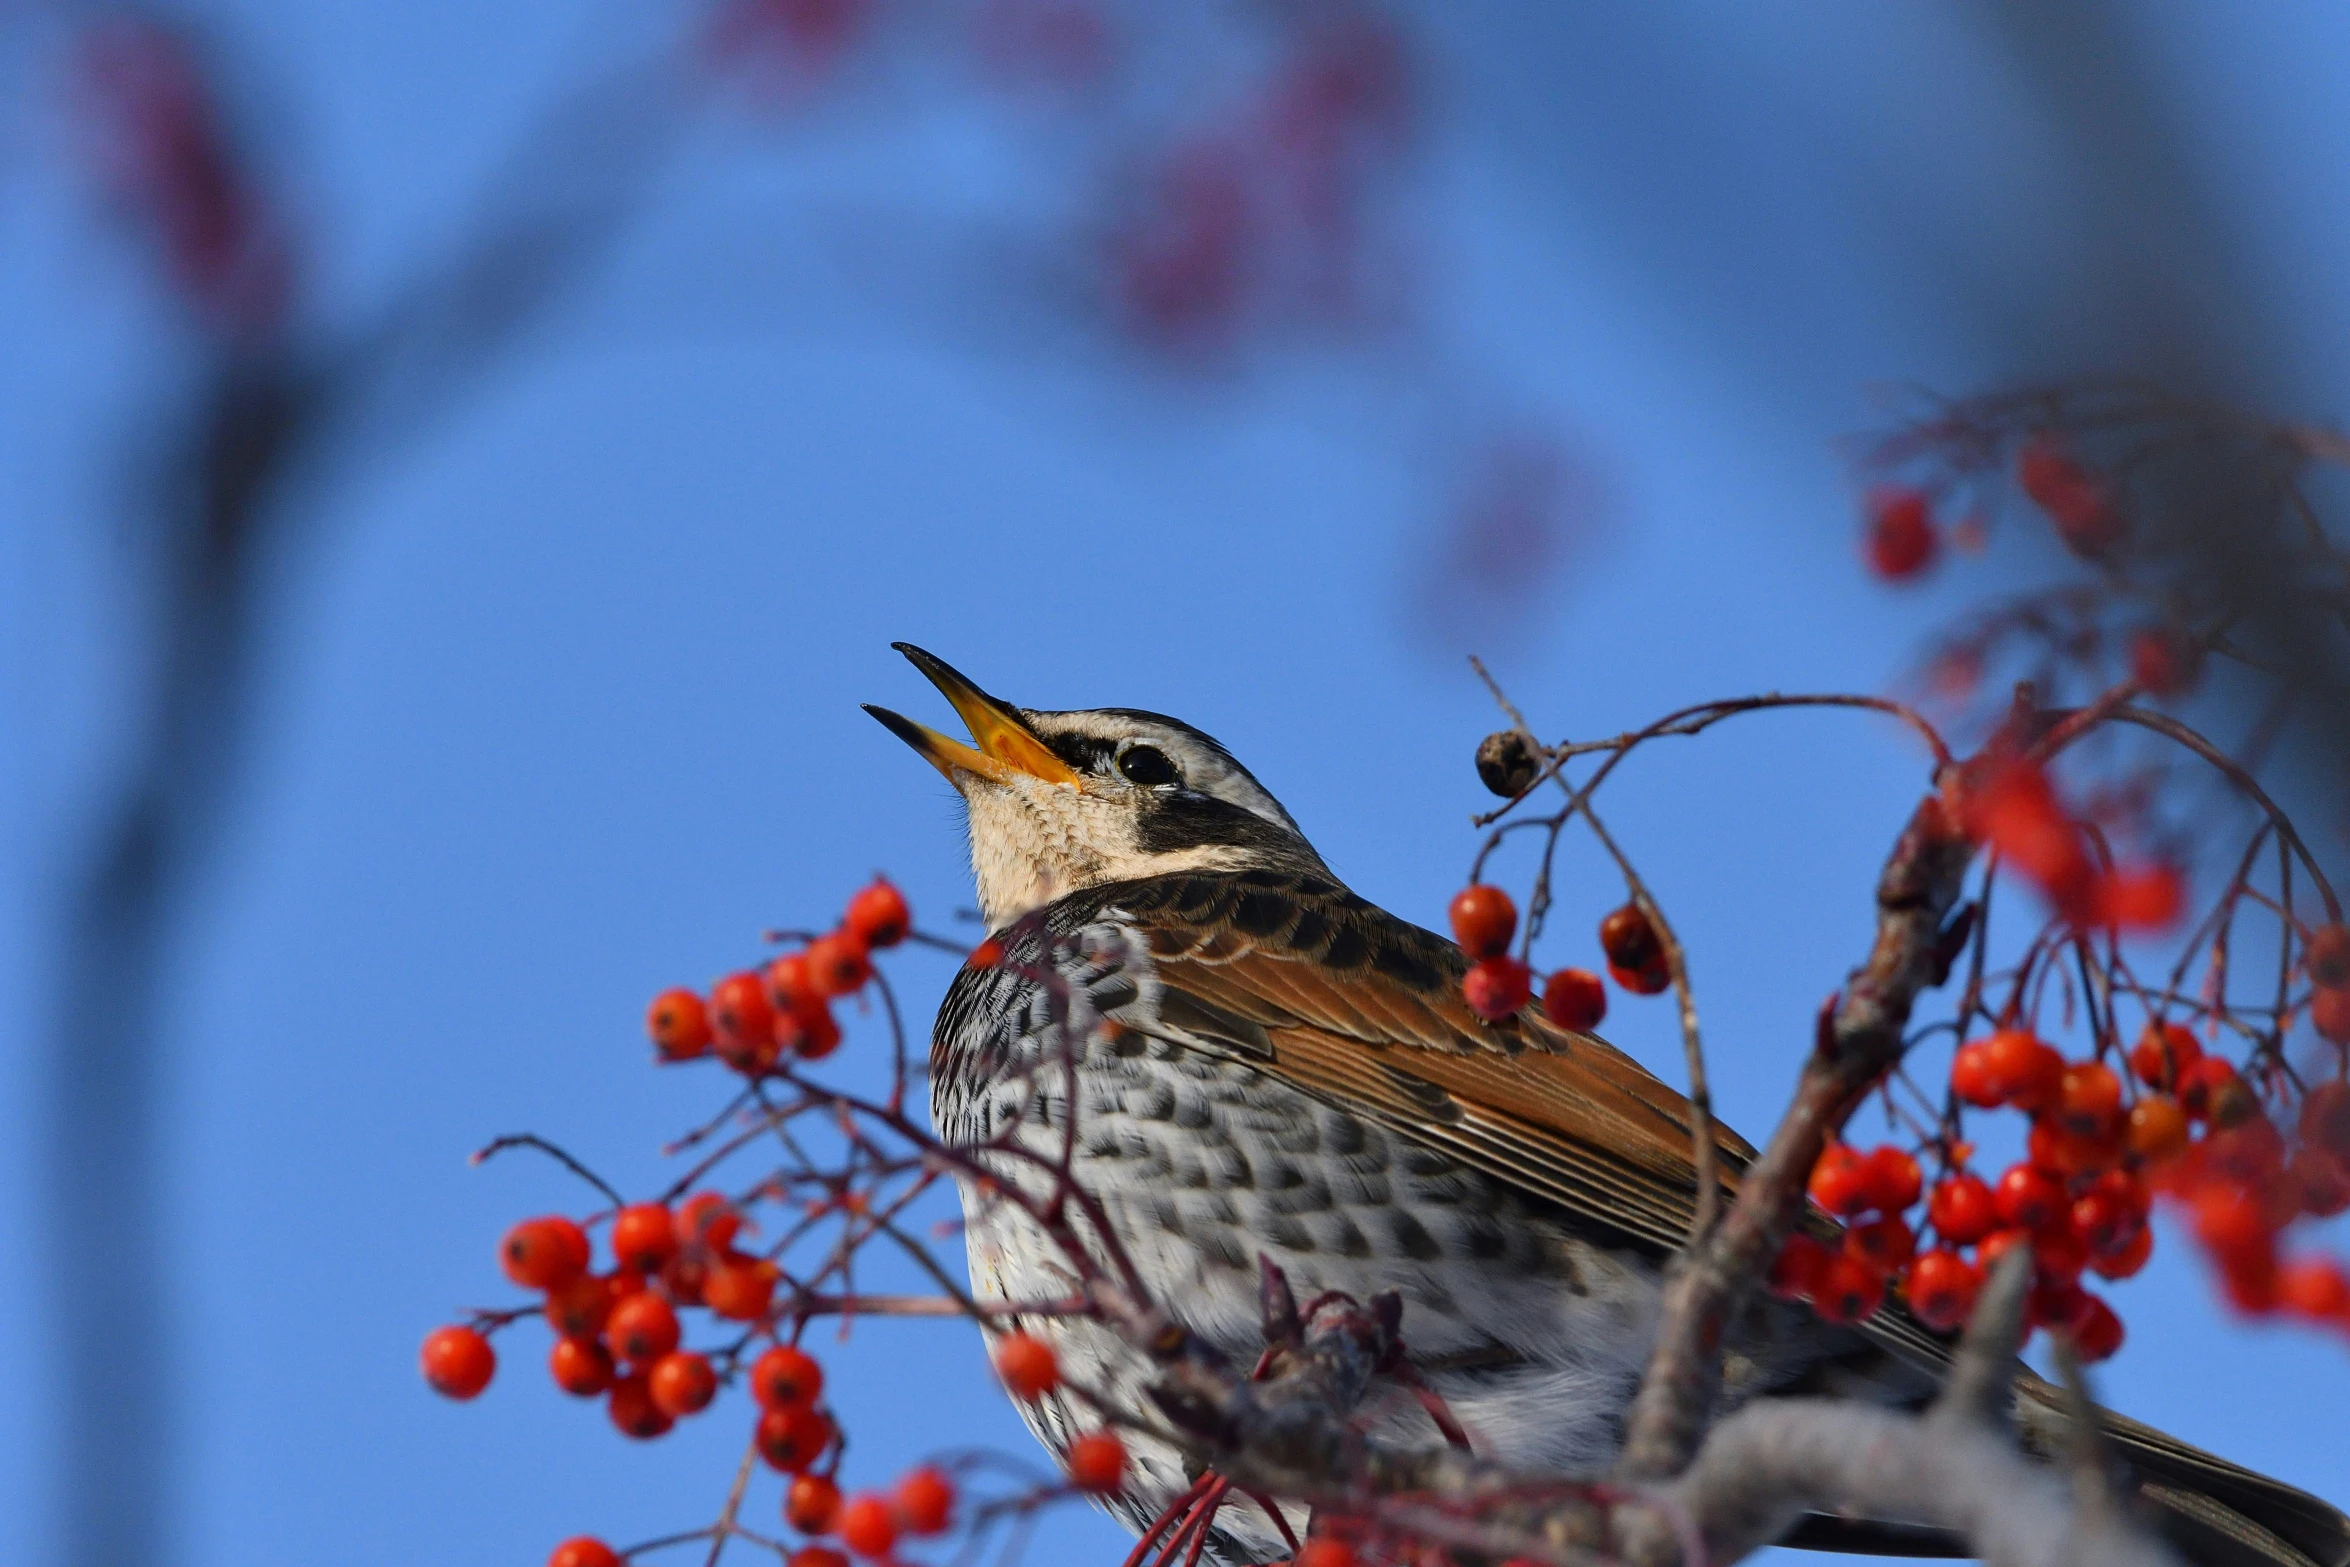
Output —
(1146, 765)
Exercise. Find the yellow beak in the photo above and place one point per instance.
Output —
(1007, 749)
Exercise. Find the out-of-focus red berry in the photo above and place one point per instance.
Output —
(580, 1308)
(1574, 998)
(2016, 810)
(1483, 920)
(2142, 897)
(1962, 1209)
(2201, 1081)
(1630, 941)
(580, 1366)
(540, 1254)
(1097, 1463)
(2059, 1253)
(925, 1501)
(2329, 1013)
(792, 1438)
(1496, 988)
(1840, 1181)
(868, 1524)
(2163, 1052)
(1028, 1366)
(812, 1504)
(2327, 957)
(1654, 980)
(2316, 1288)
(1892, 1178)
(2028, 1198)
(2096, 1331)
(2060, 1151)
(811, 1034)
(1848, 1290)
(986, 955)
(786, 1375)
(740, 1288)
(2126, 1262)
(2157, 1129)
(1942, 1287)
(583, 1551)
(1884, 1243)
(1901, 540)
(682, 1383)
(878, 916)
(679, 1024)
(2320, 1183)
(644, 1236)
(2055, 1304)
(838, 964)
(2232, 1222)
(632, 1409)
(817, 1556)
(1325, 1551)
(741, 1016)
(458, 1361)
(642, 1329)
(2028, 1071)
(2165, 659)
(1973, 1077)
(2085, 518)
(708, 1221)
(2089, 1099)
(788, 984)
(1796, 1270)
(2103, 1224)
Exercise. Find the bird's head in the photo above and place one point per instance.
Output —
(1063, 801)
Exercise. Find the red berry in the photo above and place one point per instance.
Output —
(1483, 920)
(786, 1375)
(2096, 1331)
(642, 1329)
(2327, 957)
(1962, 1209)
(2056, 1303)
(2126, 1262)
(1973, 1079)
(2232, 1222)
(2203, 1083)
(1840, 1181)
(794, 1437)
(2028, 1071)
(2103, 1223)
(580, 1366)
(580, 1308)
(2063, 1152)
(584, 1551)
(2329, 1013)
(1795, 1272)
(925, 1501)
(741, 1016)
(2089, 1099)
(1848, 1290)
(1496, 988)
(1653, 980)
(817, 1556)
(458, 1361)
(2143, 897)
(1574, 998)
(644, 1236)
(986, 955)
(2157, 1128)
(868, 1524)
(1883, 1243)
(878, 915)
(1631, 942)
(1942, 1287)
(2165, 659)
(1097, 1463)
(2320, 1183)
(1902, 540)
(812, 1504)
(838, 964)
(541, 1254)
(679, 1024)
(2028, 1197)
(1028, 1366)
(740, 1288)
(2075, 502)
(682, 1383)
(707, 1221)
(2162, 1053)
(789, 986)
(2059, 1253)
(811, 1034)
(1892, 1178)
(632, 1408)
(2316, 1288)
(1323, 1551)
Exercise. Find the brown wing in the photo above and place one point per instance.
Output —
(1342, 999)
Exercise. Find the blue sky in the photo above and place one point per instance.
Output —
(561, 697)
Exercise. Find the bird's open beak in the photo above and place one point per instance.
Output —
(1006, 748)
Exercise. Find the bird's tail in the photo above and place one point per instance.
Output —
(2216, 1514)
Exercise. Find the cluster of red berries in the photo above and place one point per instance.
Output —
(754, 1019)
(1902, 539)
(1497, 984)
(2017, 812)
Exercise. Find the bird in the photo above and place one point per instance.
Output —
(1284, 1070)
